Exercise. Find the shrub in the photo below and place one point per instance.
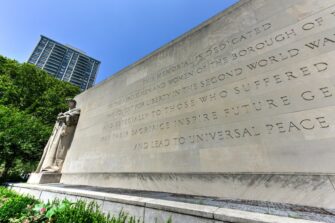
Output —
(5, 193)
(89, 213)
(15, 208)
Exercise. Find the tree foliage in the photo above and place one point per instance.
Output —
(30, 100)
(22, 138)
(32, 90)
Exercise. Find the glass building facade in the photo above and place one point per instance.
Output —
(65, 63)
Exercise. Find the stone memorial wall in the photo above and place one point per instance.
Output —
(241, 107)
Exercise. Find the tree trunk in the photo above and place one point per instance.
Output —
(8, 165)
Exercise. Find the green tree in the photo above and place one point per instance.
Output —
(21, 138)
(30, 100)
(30, 89)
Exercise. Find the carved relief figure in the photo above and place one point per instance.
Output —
(60, 140)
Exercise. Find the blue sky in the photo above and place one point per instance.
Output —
(116, 32)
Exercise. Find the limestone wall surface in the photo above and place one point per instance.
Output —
(242, 107)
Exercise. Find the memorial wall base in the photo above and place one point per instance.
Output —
(44, 178)
(300, 189)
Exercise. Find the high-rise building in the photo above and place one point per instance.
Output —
(65, 62)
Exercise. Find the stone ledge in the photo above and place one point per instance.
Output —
(232, 215)
(202, 211)
(314, 190)
(126, 199)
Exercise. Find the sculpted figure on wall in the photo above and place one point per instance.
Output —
(60, 140)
